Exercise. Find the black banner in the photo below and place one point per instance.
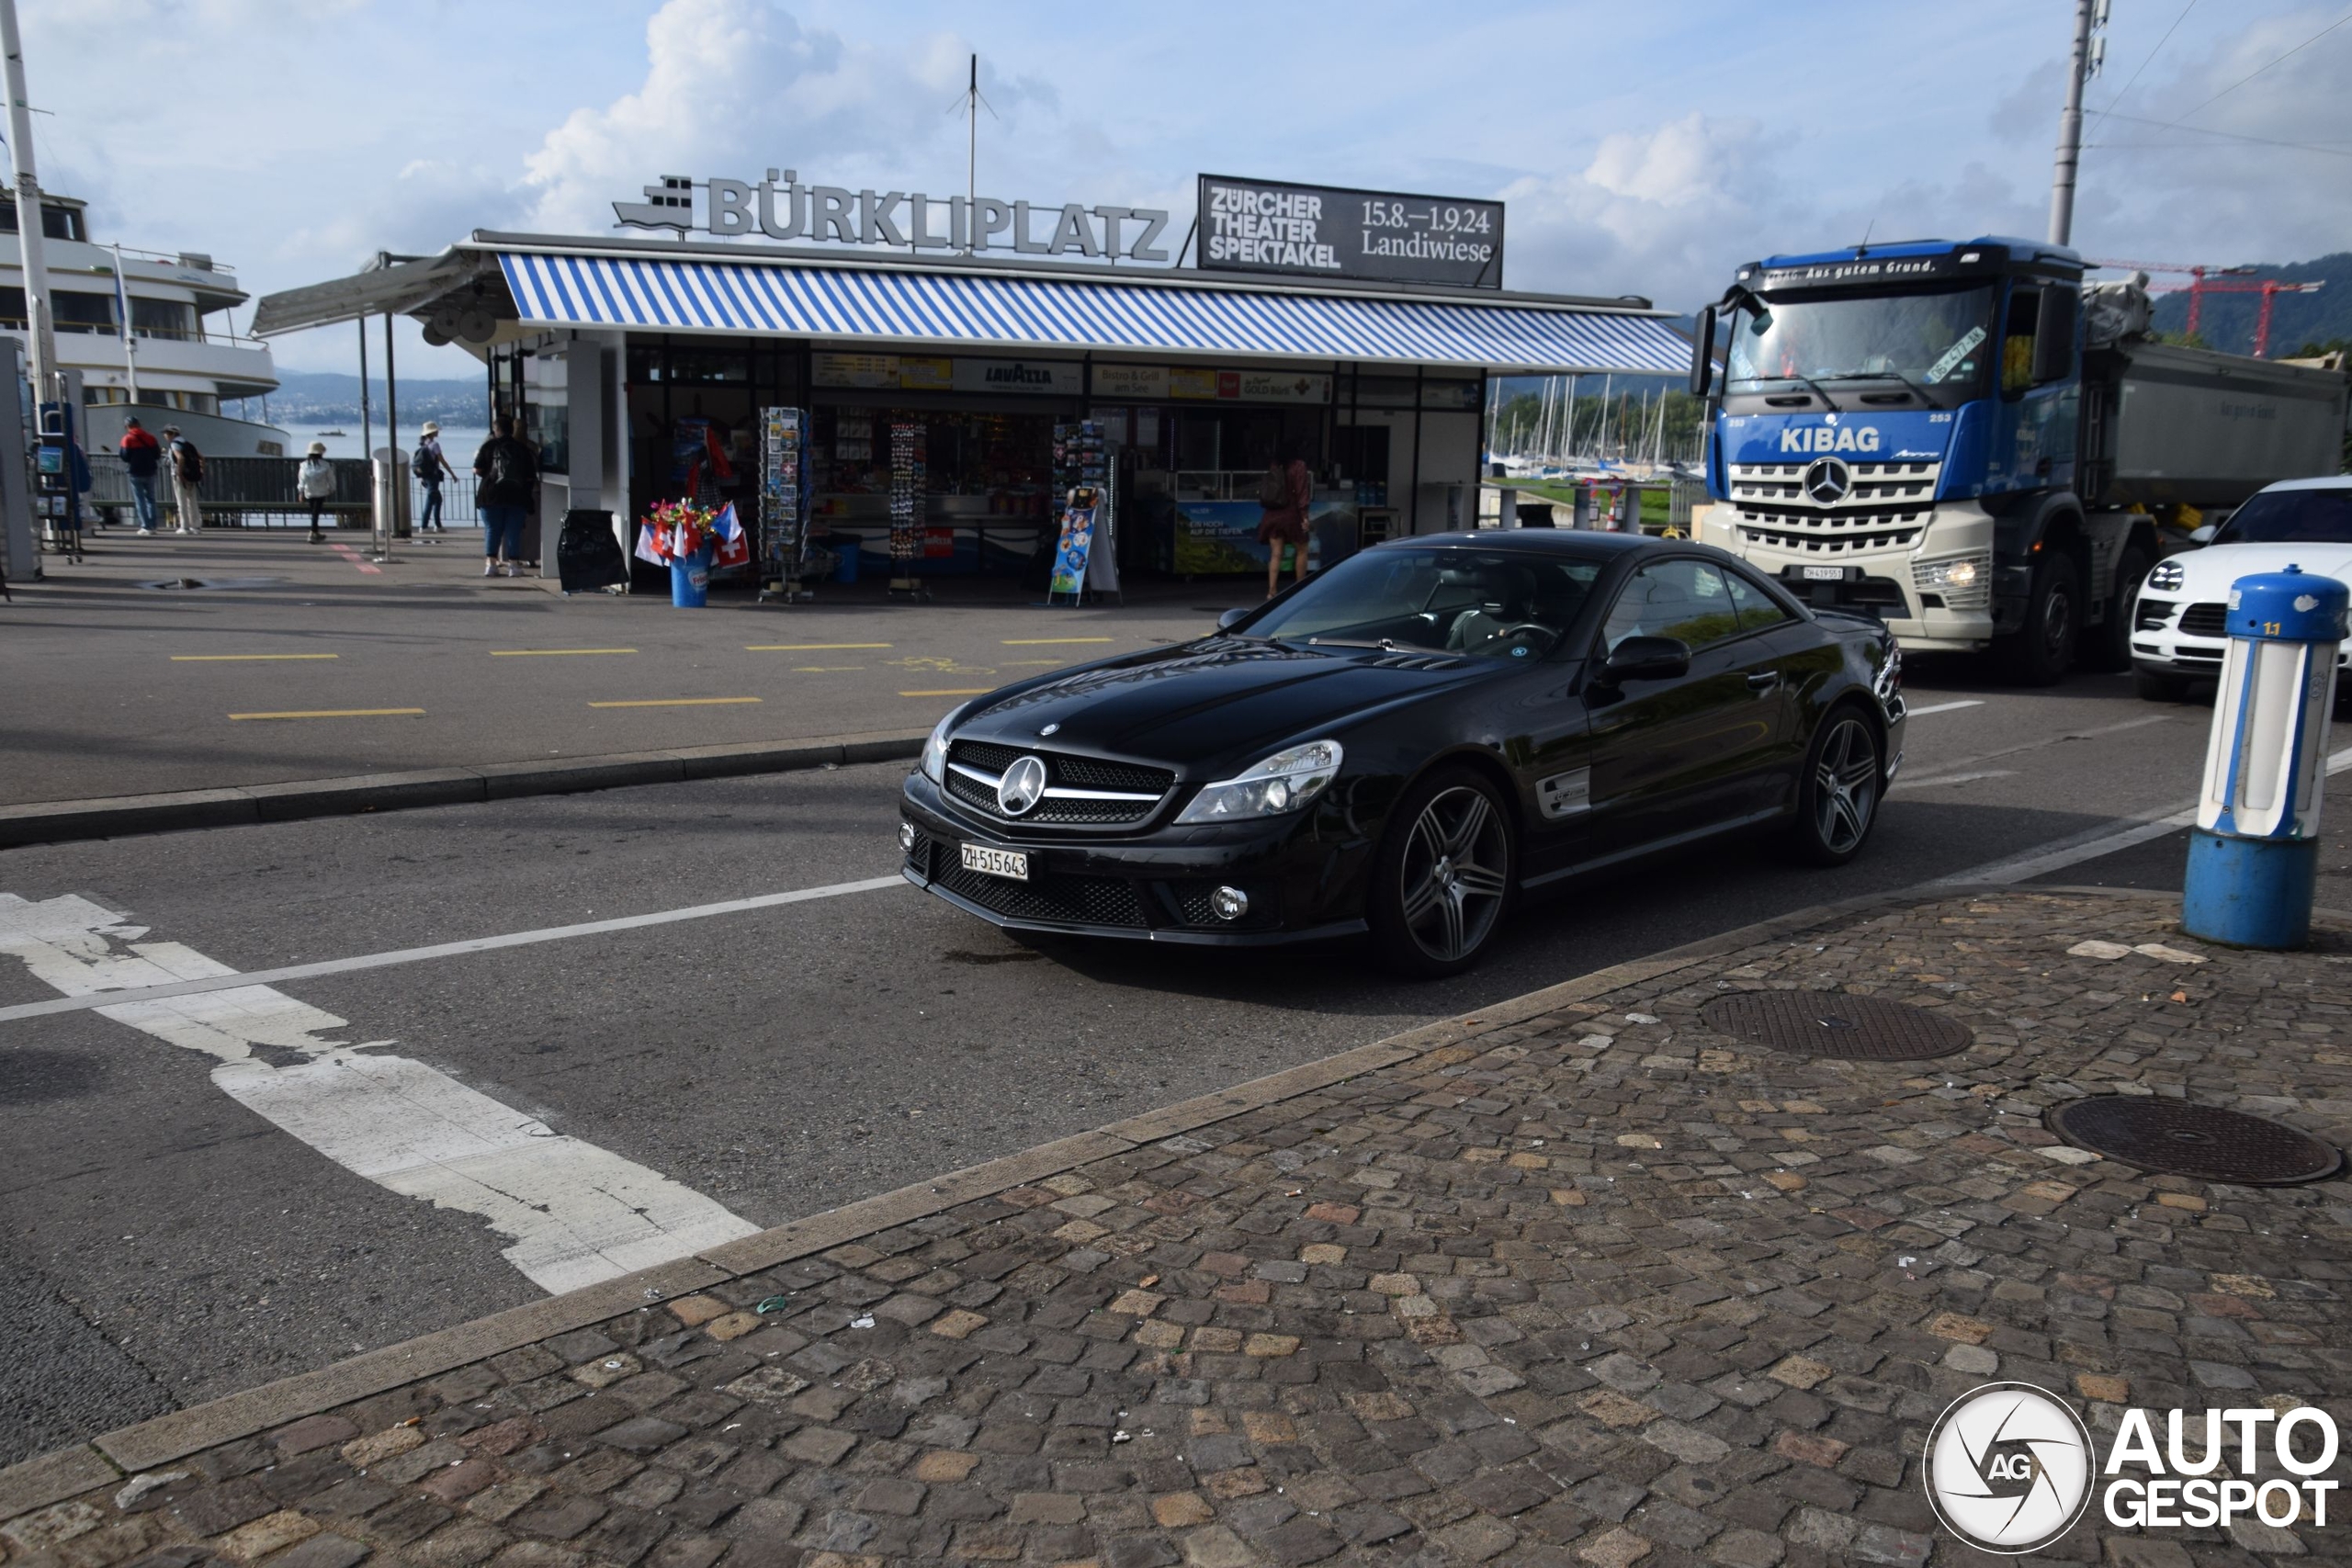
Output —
(1266, 226)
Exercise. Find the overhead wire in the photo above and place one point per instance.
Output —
(2260, 69)
(2143, 65)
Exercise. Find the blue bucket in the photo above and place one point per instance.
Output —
(690, 580)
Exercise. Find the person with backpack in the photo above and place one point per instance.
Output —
(431, 468)
(142, 455)
(506, 474)
(1284, 494)
(314, 482)
(188, 477)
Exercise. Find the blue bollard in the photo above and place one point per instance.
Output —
(2254, 854)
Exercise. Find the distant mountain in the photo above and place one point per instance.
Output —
(323, 397)
(2227, 320)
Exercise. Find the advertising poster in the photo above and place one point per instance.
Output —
(1077, 543)
(1268, 226)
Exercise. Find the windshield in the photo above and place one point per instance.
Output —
(2291, 517)
(1487, 603)
(1934, 339)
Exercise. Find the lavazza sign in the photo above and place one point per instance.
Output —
(781, 207)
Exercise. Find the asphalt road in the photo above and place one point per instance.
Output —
(160, 1243)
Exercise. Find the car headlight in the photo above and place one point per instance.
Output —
(1283, 781)
(934, 751)
(2167, 577)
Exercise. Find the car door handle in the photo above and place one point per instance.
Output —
(1763, 680)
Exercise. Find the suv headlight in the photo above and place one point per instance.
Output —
(1283, 781)
(934, 751)
(2167, 577)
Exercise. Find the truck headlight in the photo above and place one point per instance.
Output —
(1283, 781)
(934, 751)
(2167, 577)
(1964, 582)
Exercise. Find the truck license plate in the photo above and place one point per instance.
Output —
(1825, 574)
(1011, 864)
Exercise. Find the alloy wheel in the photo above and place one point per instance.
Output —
(1845, 793)
(1454, 873)
(2058, 625)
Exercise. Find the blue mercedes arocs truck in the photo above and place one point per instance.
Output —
(1941, 435)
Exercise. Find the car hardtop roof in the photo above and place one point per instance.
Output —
(2318, 481)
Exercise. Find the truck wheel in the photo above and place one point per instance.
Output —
(2110, 648)
(2156, 688)
(2040, 652)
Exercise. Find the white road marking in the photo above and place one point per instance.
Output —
(1944, 707)
(1932, 780)
(221, 977)
(576, 1213)
(2105, 839)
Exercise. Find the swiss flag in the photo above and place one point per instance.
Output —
(648, 545)
(734, 545)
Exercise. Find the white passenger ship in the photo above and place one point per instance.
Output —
(190, 358)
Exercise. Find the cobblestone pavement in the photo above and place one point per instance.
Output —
(1588, 1284)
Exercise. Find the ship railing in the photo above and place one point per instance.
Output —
(260, 492)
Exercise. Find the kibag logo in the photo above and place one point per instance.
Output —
(2008, 1468)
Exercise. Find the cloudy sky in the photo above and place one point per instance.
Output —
(1642, 149)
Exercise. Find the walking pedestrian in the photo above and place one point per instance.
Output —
(316, 483)
(1283, 496)
(506, 475)
(142, 455)
(188, 477)
(431, 468)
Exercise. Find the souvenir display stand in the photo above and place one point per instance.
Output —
(907, 478)
(788, 566)
(1086, 554)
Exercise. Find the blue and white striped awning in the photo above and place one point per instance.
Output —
(978, 311)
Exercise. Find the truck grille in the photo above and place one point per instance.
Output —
(1114, 793)
(2204, 620)
(1065, 900)
(1886, 509)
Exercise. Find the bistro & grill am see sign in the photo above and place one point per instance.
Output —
(781, 207)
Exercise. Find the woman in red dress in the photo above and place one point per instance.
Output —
(1285, 495)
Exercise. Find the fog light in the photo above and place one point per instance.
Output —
(1230, 903)
(907, 837)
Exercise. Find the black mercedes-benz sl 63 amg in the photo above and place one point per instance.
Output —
(1408, 743)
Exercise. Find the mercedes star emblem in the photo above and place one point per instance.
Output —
(1023, 786)
(1827, 480)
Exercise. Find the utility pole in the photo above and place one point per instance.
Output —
(2089, 53)
(40, 335)
(972, 157)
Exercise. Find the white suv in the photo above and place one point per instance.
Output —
(2176, 635)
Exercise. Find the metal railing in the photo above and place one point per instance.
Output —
(242, 491)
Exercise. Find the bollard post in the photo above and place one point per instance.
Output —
(2254, 854)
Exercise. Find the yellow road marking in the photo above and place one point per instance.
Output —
(1035, 663)
(550, 652)
(1042, 642)
(674, 702)
(959, 692)
(825, 669)
(243, 657)
(806, 647)
(338, 713)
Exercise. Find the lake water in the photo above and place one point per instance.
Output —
(458, 446)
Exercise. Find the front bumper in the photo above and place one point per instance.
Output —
(1879, 582)
(2159, 646)
(1305, 882)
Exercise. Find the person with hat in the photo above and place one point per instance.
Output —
(314, 482)
(188, 474)
(142, 455)
(431, 468)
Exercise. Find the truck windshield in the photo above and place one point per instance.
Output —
(2291, 517)
(1932, 339)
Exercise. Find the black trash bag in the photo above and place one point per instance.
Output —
(587, 554)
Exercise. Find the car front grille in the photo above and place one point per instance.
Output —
(2204, 620)
(2152, 615)
(1065, 900)
(1080, 791)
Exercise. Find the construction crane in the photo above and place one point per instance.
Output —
(2269, 288)
(2197, 286)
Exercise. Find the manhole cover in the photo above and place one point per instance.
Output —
(215, 584)
(2201, 1141)
(1831, 1023)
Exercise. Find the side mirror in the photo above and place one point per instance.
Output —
(1703, 354)
(1647, 659)
(2053, 333)
(1231, 619)
(2203, 535)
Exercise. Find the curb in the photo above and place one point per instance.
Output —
(66, 1472)
(68, 821)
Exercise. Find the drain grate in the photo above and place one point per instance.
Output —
(2201, 1141)
(1831, 1023)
